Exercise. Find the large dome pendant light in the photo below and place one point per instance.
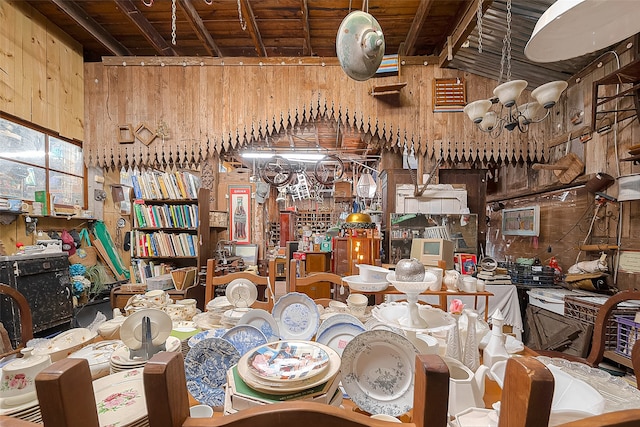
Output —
(360, 45)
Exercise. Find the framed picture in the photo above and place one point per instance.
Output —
(240, 214)
(521, 221)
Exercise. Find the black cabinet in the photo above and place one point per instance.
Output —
(44, 281)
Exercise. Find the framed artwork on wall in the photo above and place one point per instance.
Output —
(240, 214)
(521, 221)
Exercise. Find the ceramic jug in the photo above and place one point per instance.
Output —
(466, 389)
(451, 278)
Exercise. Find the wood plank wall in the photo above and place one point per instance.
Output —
(219, 105)
(41, 71)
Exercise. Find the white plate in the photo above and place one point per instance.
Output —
(297, 316)
(245, 338)
(377, 372)
(120, 398)
(241, 292)
(339, 318)
(339, 335)
(291, 386)
(288, 361)
(262, 320)
(357, 283)
(121, 356)
(131, 329)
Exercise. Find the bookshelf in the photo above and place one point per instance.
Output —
(170, 223)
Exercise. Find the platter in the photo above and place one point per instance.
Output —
(291, 386)
(377, 372)
(120, 398)
(358, 283)
(262, 320)
(245, 338)
(206, 367)
(297, 316)
(339, 335)
(392, 312)
(241, 292)
(285, 361)
(131, 329)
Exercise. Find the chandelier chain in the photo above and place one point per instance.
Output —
(173, 22)
(508, 40)
(243, 23)
(479, 25)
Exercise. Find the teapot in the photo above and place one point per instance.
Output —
(451, 279)
(466, 389)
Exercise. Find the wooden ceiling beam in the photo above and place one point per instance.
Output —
(148, 31)
(198, 27)
(461, 31)
(409, 46)
(308, 50)
(90, 25)
(252, 26)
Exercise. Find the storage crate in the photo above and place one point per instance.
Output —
(530, 275)
(628, 331)
(218, 219)
(585, 309)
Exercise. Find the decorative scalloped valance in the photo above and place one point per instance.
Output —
(200, 110)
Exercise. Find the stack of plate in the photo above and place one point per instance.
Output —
(120, 399)
(121, 359)
(98, 355)
(208, 320)
(338, 330)
(231, 317)
(218, 305)
(287, 367)
(28, 411)
(184, 330)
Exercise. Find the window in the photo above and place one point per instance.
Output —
(32, 160)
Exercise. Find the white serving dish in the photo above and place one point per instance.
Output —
(358, 283)
(373, 273)
(18, 378)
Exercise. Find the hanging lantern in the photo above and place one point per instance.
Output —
(366, 186)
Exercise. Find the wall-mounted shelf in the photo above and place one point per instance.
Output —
(390, 89)
(627, 75)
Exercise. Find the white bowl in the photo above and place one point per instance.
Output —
(66, 343)
(429, 280)
(372, 273)
(18, 376)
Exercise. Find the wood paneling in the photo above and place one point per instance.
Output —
(41, 75)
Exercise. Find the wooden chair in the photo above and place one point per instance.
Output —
(598, 341)
(268, 281)
(298, 284)
(168, 403)
(26, 321)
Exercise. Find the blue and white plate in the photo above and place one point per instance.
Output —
(210, 333)
(297, 316)
(339, 318)
(206, 368)
(339, 335)
(378, 372)
(245, 338)
(262, 320)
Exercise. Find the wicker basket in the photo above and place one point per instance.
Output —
(183, 278)
(628, 331)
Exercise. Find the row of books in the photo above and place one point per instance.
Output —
(164, 216)
(143, 269)
(239, 396)
(154, 185)
(161, 244)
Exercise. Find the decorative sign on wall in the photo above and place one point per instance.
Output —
(240, 214)
(521, 221)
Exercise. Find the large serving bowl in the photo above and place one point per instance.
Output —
(66, 343)
(430, 279)
(373, 273)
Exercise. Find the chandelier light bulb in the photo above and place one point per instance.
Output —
(489, 121)
(477, 109)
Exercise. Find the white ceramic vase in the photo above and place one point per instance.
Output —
(454, 345)
(471, 354)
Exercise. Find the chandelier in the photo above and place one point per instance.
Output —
(510, 115)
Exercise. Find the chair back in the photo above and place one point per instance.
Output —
(299, 284)
(26, 321)
(212, 281)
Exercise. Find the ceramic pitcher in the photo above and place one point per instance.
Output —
(465, 388)
(451, 278)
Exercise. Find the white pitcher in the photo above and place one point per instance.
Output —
(466, 389)
(451, 279)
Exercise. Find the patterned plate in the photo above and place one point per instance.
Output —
(377, 372)
(339, 318)
(245, 338)
(210, 333)
(338, 335)
(262, 320)
(120, 398)
(297, 316)
(206, 368)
